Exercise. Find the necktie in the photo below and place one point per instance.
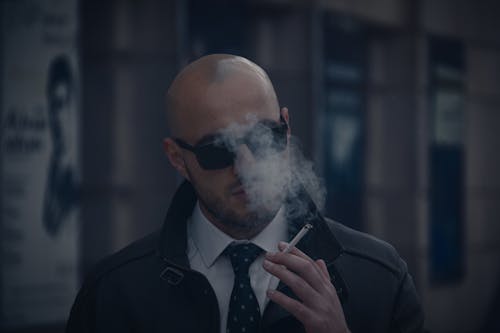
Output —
(244, 312)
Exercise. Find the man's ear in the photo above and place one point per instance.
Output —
(175, 156)
(284, 113)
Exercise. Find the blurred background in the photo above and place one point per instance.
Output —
(396, 101)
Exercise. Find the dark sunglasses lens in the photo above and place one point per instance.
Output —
(280, 137)
(213, 157)
(274, 139)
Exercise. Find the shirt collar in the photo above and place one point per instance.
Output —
(273, 233)
(211, 241)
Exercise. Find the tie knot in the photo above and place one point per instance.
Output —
(242, 256)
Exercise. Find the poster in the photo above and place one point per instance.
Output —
(39, 161)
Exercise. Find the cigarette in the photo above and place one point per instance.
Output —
(273, 282)
(297, 237)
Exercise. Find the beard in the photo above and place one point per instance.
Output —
(242, 218)
(238, 217)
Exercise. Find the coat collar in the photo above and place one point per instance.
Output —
(173, 240)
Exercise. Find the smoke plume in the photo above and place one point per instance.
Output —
(268, 174)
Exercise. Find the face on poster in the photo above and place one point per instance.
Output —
(40, 166)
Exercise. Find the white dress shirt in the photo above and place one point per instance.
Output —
(205, 246)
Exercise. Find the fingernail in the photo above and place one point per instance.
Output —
(282, 245)
(270, 292)
(267, 263)
(269, 254)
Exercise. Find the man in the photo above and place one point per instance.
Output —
(215, 266)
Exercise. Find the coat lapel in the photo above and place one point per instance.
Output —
(173, 241)
(176, 273)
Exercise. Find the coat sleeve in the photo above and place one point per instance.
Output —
(408, 315)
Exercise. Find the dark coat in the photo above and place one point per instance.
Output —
(149, 287)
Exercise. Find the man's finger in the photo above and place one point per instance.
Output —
(299, 286)
(297, 309)
(294, 250)
(324, 270)
(305, 268)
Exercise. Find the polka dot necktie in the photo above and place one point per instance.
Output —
(244, 312)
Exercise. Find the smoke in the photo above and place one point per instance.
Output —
(304, 179)
(267, 173)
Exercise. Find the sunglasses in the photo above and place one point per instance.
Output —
(265, 137)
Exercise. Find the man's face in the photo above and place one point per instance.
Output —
(237, 101)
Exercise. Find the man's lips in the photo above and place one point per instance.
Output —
(238, 191)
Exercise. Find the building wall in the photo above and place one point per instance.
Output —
(128, 60)
(465, 307)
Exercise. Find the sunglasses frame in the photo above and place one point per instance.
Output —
(196, 149)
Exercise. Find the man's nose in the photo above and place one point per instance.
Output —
(244, 157)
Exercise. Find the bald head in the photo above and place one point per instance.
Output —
(214, 86)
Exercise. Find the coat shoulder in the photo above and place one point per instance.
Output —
(84, 313)
(144, 247)
(367, 247)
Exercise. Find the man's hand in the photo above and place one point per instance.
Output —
(320, 310)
